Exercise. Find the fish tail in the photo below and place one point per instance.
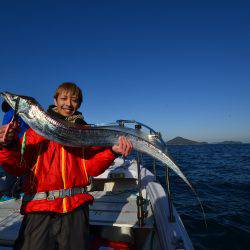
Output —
(201, 206)
(172, 165)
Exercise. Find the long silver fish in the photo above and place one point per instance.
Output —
(73, 135)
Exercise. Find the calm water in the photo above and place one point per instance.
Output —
(221, 177)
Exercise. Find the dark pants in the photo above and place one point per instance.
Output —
(54, 231)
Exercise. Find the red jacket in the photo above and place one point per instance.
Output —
(50, 166)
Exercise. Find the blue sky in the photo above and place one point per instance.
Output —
(182, 67)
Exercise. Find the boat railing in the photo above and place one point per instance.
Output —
(153, 136)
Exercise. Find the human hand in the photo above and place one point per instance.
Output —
(8, 133)
(124, 146)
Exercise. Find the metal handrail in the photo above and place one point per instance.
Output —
(122, 122)
(157, 135)
(139, 125)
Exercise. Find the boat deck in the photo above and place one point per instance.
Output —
(10, 221)
(118, 209)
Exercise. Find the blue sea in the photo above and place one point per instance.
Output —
(221, 176)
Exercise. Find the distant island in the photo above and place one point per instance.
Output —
(183, 141)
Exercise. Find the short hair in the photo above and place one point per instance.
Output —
(71, 87)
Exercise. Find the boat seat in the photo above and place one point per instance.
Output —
(112, 184)
(117, 209)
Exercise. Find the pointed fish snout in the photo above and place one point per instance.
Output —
(3, 95)
(8, 95)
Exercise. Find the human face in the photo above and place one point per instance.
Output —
(67, 103)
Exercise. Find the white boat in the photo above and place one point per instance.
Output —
(131, 210)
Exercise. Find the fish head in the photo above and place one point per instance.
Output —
(19, 103)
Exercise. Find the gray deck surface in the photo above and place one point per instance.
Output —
(117, 209)
(10, 221)
(109, 208)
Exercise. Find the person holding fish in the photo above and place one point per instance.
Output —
(55, 202)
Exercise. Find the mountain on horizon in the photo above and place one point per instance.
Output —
(183, 141)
